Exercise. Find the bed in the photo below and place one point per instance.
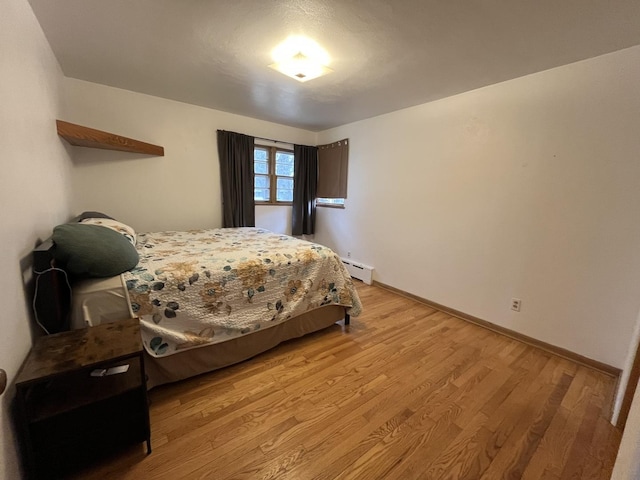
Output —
(206, 299)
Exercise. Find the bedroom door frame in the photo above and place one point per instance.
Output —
(630, 390)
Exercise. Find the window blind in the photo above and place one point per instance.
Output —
(333, 166)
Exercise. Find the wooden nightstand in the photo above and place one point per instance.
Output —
(67, 412)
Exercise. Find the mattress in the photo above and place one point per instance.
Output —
(200, 287)
(233, 276)
(99, 300)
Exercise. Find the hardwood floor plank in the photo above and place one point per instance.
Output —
(536, 430)
(387, 447)
(523, 437)
(475, 398)
(404, 392)
(431, 442)
(456, 460)
(554, 450)
(575, 467)
(226, 462)
(604, 445)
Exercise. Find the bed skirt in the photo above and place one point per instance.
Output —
(181, 365)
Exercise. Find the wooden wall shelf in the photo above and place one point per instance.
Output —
(80, 136)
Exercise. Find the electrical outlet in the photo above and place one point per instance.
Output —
(348, 254)
(516, 303)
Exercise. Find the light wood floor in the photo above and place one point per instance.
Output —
(405, 392)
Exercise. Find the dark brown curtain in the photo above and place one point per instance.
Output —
(305, 184)
(235, 152)
(333, 167)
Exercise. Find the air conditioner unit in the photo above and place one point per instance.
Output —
(359, 270)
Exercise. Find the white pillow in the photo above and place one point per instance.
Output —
(119, 227)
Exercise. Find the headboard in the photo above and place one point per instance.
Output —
(52, 291)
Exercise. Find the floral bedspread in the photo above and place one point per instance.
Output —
(201, 287)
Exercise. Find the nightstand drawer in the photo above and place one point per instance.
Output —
(67, 392)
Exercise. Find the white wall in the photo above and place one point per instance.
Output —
(34, 185)
(527, 189)
(178, 191)
(274, 217)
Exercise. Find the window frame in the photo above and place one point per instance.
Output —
(273, 177)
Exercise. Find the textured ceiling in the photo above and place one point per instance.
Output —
(386, 55)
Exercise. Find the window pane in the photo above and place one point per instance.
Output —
(261, 188)
(284, 192)
(285, 183)
(262, 181)
(261, 167)
(259, 154)
(284, 164)
(284, 195)
(284, 157)
(261, 194)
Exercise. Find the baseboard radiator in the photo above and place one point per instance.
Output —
(359, 270)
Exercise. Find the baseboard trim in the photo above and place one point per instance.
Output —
(559, 351)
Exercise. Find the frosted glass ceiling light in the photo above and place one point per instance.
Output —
(300, 58)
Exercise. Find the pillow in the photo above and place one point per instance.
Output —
(93, 250)
(119, 227)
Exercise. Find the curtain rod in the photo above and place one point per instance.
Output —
(260, 138)
(272, 140)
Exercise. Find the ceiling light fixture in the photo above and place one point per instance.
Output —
(301, 58)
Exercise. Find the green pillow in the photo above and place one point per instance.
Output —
(93, 250)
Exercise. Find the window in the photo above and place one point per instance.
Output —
(273, 168)
(333, 164)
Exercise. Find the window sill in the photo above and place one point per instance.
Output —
(279, 204)
(326, 205)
